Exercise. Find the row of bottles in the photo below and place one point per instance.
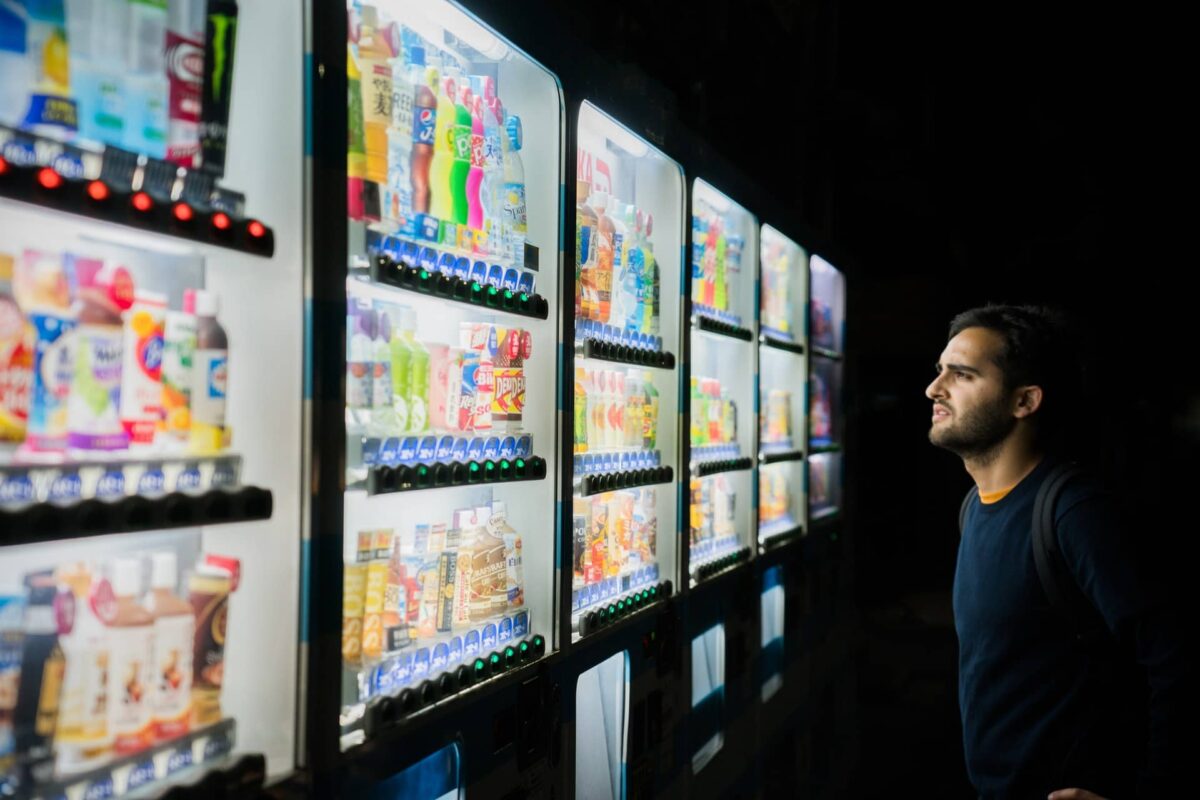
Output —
(94, 668)
(396, 384)
(432, 151)
(615, 410)
(617, 279)
(91, 364)
(713, 413)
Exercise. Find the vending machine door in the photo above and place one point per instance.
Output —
(720, 373)
(783, 369)
(628, 297)
(451, 362)
(826, 417)
(151, 390)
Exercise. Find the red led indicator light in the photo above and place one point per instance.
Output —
(3, 165)
(183, 212)
(142, 202)
(98, 191)
(49, 179)
(256, 229)
(221, 221)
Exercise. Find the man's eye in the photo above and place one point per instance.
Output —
(963, 375)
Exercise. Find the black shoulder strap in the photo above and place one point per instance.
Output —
(1064, 594)
(962, 511)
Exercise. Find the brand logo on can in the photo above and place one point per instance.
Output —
(424, 124)
(141, 774)
(149, 355)
(100, 790)
(188, 480)
(111, 484)
(151, 481)
(67, 486)
(217, 374)
(489, 635)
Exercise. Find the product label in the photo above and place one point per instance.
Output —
(381, 395)
(208, 393)
(505, 631)
(15, 488)
(489, 636)
(172, 674)
(16, 370)
(471, 644)
(514, 208)
(130, 681)
(111, 483)
(92, 409)
(185, 70)
(53, 369)
(424, 122)
(359, 384)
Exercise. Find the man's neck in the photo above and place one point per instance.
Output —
(1004, 467)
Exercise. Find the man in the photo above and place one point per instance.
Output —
(1041, 711)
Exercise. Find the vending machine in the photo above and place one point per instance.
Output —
(720, 376)
(826, 431)
(151, 309)
(437, 367)
(621, 681)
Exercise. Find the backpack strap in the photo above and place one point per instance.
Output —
(1063, 592)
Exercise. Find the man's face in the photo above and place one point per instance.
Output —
(971, 407)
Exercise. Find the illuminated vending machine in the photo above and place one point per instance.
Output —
(450, 368)
(629, 217)
(720, 372)
(151, 306)
(826, 429)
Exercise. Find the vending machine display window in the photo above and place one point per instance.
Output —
(824, 485)
(601, 719)
(454, 172)
(628, 279)
(827, 315)
(435, 777)
(825, 418)
(150, 398)
(773, 603)
(783, 400)
(706, 727)
(720, 381)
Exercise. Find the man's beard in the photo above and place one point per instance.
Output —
(976, 434)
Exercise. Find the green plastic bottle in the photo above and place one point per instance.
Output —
(650, 413)
(418, 373)
(401, 358)
(461, 165)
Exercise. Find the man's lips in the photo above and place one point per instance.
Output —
(940, 412)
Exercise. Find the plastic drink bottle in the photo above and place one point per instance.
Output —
(210, 373)
(423, 133)
(461, 166)
(475, 172)
(185, 36)
(514, 192)
(442, 199)
(491, 192)
(604, 256)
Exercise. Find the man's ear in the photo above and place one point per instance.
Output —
(1026, 400)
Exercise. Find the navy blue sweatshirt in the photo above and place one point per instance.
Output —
(1039, 711)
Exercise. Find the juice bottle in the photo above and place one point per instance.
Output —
(581, 419)
(16, 360)
(441, 197)
(141, 371)
(130, 668)
(93, 408)
(605, 231)
(179, 350)
(209, 377)
(174, 629)
(650, 413)
(588, 300)
(418, 380)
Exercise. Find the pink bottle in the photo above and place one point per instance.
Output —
(475, 175)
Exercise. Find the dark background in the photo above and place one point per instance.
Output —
(956, 155)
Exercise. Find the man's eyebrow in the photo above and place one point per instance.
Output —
(958, 368)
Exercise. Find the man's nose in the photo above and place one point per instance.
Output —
(934, 390)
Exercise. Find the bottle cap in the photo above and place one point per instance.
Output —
(163, 572)
(127, 577)
(207, 304)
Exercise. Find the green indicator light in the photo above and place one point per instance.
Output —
(537, 641)
(520, 463)
(505, 463)
(522, 297)
(509, 652)
(480, 665)
(476, 286)
(423, 469)
(508, 295)
(494, 658)
(490, 464)
(493, 290)
(612, 610)
(474, 466)
(524, 646)
(423, 274)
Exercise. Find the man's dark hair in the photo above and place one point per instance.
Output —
(1039, 349)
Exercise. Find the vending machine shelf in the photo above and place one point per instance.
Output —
(621, 608)
(486, 296)
(588, 485)
(822, 352)
(624, 354)
(775, 343)
(775, 456)
(703, 469)
(817, 447)
(824, 515)
(778, 535)
(718, 327)
(169, 201)
(403, 478)
(197, 752)
(707, 569)
(49, 521)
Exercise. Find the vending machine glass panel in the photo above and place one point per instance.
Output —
(773, 602)
(601, 719)
(706, 727)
